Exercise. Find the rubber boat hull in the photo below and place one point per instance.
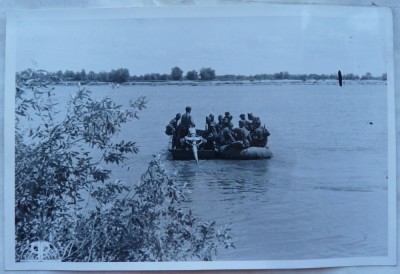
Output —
(251, 153)
(183, 154)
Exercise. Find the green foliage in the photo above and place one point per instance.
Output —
(63, 192)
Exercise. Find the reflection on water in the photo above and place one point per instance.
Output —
(229, 180)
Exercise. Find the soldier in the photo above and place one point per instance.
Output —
(250, 126)
(256, 122)
(242, 134)
(219, 125)
(259, 135)
(229, 117)
(211, 116)
(210, 133)
(250, 116)
(247, 123)
(175, 132)
(226, 135)
(186, 122)
(171, 128)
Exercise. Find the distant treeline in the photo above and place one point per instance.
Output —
(122, 75)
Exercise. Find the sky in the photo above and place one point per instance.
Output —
(305, 43)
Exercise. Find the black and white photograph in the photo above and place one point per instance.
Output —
(235, 137)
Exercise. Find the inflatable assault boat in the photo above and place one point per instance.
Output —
(234, 151)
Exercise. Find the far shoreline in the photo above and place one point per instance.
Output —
(222, 83)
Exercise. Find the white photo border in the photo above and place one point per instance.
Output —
(186, 12)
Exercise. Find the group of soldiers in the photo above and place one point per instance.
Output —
(249, 132)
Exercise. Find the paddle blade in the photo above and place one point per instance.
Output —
(196, 156)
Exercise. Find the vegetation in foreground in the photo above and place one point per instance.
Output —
(63, 192)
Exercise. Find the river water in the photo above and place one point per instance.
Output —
(322, 195)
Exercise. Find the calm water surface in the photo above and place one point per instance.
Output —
(322, 195)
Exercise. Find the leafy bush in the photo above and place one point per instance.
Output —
(63, 192)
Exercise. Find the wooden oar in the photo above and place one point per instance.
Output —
(195, 153)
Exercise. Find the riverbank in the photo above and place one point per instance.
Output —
(223, 83)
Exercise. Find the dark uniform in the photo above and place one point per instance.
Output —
(242, 134)
(219, 125)
(226, 136)
(186, 123)
(173, 129)
(210, 133)
(247, 123)
(259, 135)
(174, 122)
